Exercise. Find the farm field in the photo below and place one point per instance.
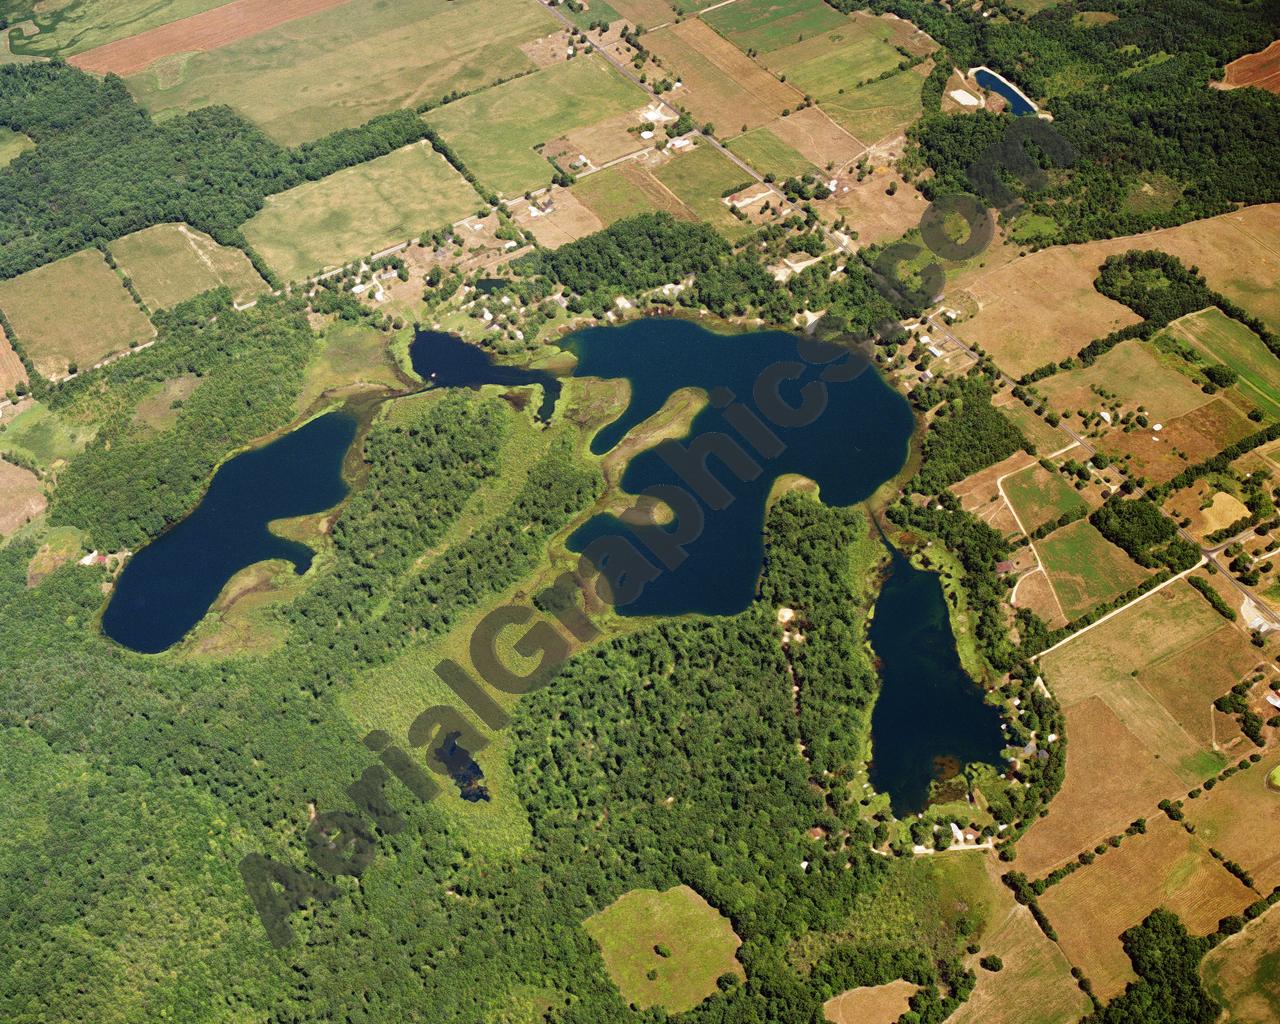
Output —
(700, 946)
(72, 311)
(699, 180)
(69, 28)
(868, 208)
(358, 211)
(1111, 780)
(172, 262)
(1165, 867)
(1040, 496)
(1086, 569)
(12, 372)
(1231, 342)
(13, 145)
(1243, 973)
(624, 190)
(878, 109)
(830, 63)
(721, 84)
(1047, 439)
(767, 153)
(1260, 69)
(871, 1004)
(766, 25)
(1184, 440)
(812, 134)
(21, 497)
(494, 132)
(648, 13)
(1241, 818)
(339, 67)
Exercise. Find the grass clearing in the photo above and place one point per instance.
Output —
(625, 190)
(172, 262)
(1241, 817)
(158, 411)
(359, 210)
(13, 145)
(43, 436)
(74, 311)
(699, 180)
(767, 153)
(21, 497)
(874, 111)
(1243, 974)
(1086, 569)
(871, 1004)
(340, 67)
(1135, 374)
(1047, 439)
(494, 132)
(1231, 342)
(767, 25)
(1040, 496)
(831, 64)
(699, 945)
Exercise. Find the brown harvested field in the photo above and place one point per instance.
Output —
(1243, 973)
(1260, 69)
(1035, 986)
(21, 497)
(12, 372)
(868, 208)
(979, 493)
(721, 84)
(568, 220)
(1111, 780)
(1182, 441)
(1207, 508)
(196, 34)
(816, 137)
(649, 13)
(1034, 591)
(1241, 818)
(873, 1004)
(1166, 867)
(1047, 439)
(600, 143)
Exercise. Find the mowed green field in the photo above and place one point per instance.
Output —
(13, 145)
(73, 311)
(767, 25)
(340, 67)
(494, 131)
(700, 179)
(767, 153)
(169, 263)
(699, 942)
(822, 66)
(1039, 496)
(1229, 341)
(1086, 569)
(73, 26)
(873, 111)
(359, 211)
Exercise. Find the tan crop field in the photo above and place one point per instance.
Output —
(1034, 592)
(1241, 818)
(1111, 780)
(21, 497)
(1166, 867)
(868, 208)
(721, 84)
(73, 311)
(1135, 374)
(1040, 496)
(1182, 441)
(60, 29)
(625, 190)
(648, 13)
(812, 134)
(570, 219)
(359, 210)
(871, 1004)
(1243, 973)
(1086, 569)
(339, 67)
(699, 180)
(12, 372)
(1260, 69)
(172, 262)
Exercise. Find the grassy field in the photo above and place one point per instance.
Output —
(699, 180)
(1040, 496)
(625, 190)
(1241, 817)
(1243, 973)
(359, 210)
(172, 262)
(1136, 375)
(766, 25)
(700, 944)
(1231, 342)
(1047, 439)
(830, 64)
(1086, 569)
(494, 131)
(871, 1004)
(1165, 867)
(158, 411)
(873, 111)
(13, 145)
(77, 25)
(12, 372)
(338, 68)
(21, 497)
(767, 153)
(72, 311)
(42, 436)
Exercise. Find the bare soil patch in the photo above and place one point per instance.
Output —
(200, 32)
(1261, 69)
(567, 219)
(21, 497)
(873, 1004)
(869, 209)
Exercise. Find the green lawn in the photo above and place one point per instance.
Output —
(1229, 341)
(700, 179)
(767, 153)
(13, 145)
(699, 944)
(766, 25)
(1085, 568)
(359, 210)
(1040, 496)
(495, 131)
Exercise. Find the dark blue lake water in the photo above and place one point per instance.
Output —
(1017, 102)
(448, 361)
(167, 587)
(930, 718)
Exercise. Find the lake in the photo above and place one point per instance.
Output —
(448, 361)
(930, 718)
(169, 585)
(1018, 102)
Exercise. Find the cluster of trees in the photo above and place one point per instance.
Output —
(966, 434)
(1146, 534)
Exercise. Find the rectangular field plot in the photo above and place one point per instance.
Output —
(879, 109)
(1228, 341)
(768, 154)
(837, 61)
(1047, 439)
(339, 67)
(1165, 867)
(172, 262)
(721, 84)
(1086, 569)
(1040, 496)
(68, 28)
(625, 190)
(359, 211)
(1183, 441)
(12, 372)
(73, 311)
(494, 131)
(699, 180)
(1241, 818)
(1242, 973)
(767, 25)
(646, 13)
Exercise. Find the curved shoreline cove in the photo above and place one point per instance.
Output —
(856, 443)
(447, 361)
(169, 585)
(930, 719)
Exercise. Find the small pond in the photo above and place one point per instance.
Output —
(1018, 102)
(448, 361)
